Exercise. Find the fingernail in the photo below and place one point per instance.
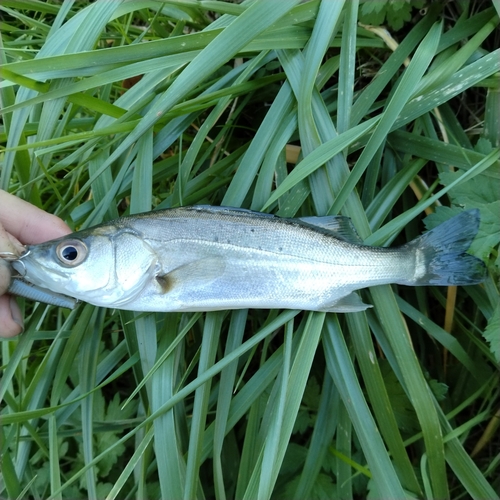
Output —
(16, 313)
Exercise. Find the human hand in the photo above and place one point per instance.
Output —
(20, 224)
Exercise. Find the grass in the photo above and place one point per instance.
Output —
(294, 108)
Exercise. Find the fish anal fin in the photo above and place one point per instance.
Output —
(349, 303)
(339, 226)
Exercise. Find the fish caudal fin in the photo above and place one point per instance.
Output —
(440, 253)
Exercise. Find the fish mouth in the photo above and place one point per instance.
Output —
(32, 270)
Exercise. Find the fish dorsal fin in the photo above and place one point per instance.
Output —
(242, 212)
(340, 226)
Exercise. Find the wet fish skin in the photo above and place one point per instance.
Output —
(215, 258)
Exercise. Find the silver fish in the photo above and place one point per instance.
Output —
(213, 258)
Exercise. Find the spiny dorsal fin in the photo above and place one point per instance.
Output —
(242, 212)
(339, 226)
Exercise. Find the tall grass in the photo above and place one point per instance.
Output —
(294, 108)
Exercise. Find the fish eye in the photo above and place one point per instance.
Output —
(72, 252)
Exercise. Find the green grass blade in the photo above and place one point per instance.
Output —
(347, 67)
(318, 157)
(171, 465)
(224, 399)
(379, 399)
(418, 390)
(211, 333)
(324, 27)
(342, 371)
(322, 435)
(87, 368)
(408, 83)
(129, 469)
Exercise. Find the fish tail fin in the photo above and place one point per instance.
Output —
(440, 253)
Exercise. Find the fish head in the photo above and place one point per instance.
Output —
(106, 266)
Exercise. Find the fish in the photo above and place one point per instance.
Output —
(206, 258)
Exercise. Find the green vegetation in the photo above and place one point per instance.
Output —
(117, 107)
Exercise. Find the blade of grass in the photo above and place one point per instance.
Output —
(87, 368)
(347, 67)
(271, 443)
(368, 96)
(395, 225)
(406, 87)
(131, 465)
(211, 333)
(245, 175)
(243, 29)
(169, 450)
(324, 29)
(166, 407)
(224, 399)
(342, 371)
(323, 432)
(295, 388)
(318, 157)
(343, 448)
(379, 399)
(418, 389)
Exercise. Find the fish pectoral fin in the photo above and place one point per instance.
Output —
(194, 274)
(349, 303)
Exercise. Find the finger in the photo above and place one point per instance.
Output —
(5, 276)
(28, 223)
(8, 243)
(10, 316)
(11, 323)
